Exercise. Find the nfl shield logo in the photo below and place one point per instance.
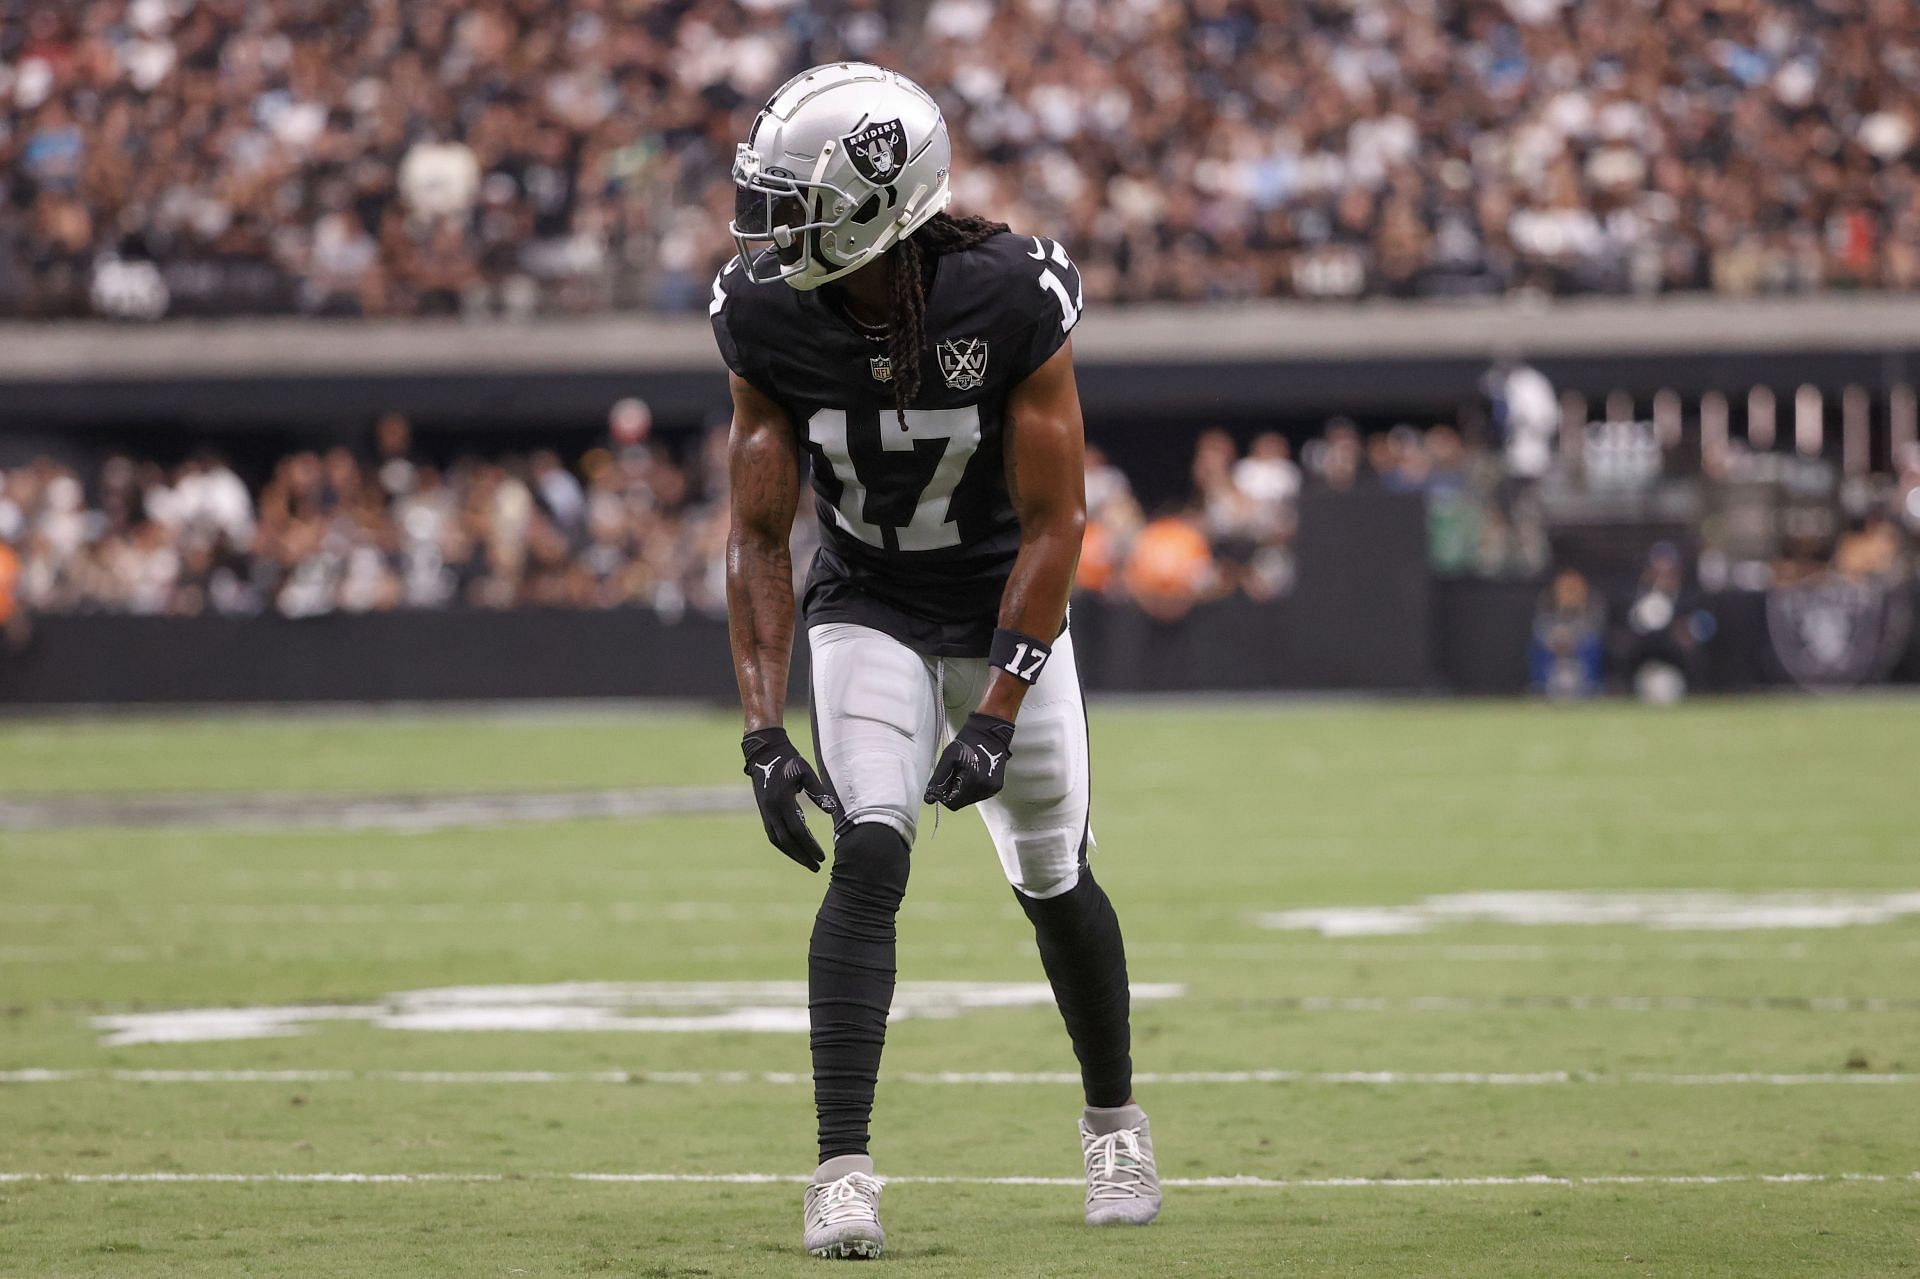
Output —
(881, 366)
(963, 362)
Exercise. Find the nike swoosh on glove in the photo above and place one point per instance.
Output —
(780, 776)
(974, 765)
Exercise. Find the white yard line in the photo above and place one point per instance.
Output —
(1671, 910)
(370, 913)
(1586, 1003)
(768, 1178)
(1504, 952)
(338, 914)
(1384, 1078)
(374, 913)
(413, 813)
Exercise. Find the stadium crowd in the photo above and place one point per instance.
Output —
(637, 523)
(372, 157)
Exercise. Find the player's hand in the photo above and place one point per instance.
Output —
(974, 765)
(780, 776)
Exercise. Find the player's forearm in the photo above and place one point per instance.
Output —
(1035, 601)
(760, 624)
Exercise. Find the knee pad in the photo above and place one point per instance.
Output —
(1046, 864)
(872, 858)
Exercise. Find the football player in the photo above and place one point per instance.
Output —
(921, 363)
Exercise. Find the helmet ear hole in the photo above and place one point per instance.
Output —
(868, 211)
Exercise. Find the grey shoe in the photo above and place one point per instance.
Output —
(1123, 1186)
(840, 1213)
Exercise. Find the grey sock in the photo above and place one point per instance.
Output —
(1106, 1119)
(840, 1165)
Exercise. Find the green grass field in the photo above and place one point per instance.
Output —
(1486, 1096)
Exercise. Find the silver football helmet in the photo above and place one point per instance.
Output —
(844, 160)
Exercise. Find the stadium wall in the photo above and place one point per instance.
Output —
(1366, 615)
(1359, 619)
(1135, 364)
(1472, 640)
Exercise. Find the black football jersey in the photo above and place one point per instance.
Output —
(917, 531)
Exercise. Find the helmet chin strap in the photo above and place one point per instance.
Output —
(820, 166)
(909, 206)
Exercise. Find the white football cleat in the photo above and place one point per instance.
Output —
(1123, 1186)
(840, 1214)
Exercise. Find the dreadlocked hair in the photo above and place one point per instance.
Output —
(941, 234)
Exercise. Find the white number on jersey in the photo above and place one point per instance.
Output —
(1070, 305)
(914, 473)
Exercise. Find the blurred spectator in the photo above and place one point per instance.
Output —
(1906, 503)
(438, 180)
(1113, 520)
(629, 422)
(1665, 627)
(1453, 509)
(13, 619)
(1526, 414)
(1271, 483)
(1268, 476)
(1170, 567)
(1232, 521)
(1870, 551)
(393, 455)
(572, 154)
(1334, 459)
(342, 268)
(1569, 641)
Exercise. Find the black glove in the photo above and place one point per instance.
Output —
(974, 765)
(779, 775)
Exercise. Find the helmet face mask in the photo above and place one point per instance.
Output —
(787, 211)
(843, 161)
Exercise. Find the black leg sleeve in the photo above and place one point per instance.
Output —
(1086, 961)
(850, 968)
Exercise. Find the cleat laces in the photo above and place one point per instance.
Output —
(1114, 1166)
(854, 1197)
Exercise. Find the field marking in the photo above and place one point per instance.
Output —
(1422, 949)
(1679, 910)
(407, 813)
(1241, 1182)
(335, 915)
(1390, 945)
(759, 1007)
(1586, 1003)
(960, 1078)
(624, 912)
(781, 1008)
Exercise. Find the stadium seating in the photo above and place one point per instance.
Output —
(346, 158)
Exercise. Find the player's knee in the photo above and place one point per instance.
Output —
(1047, 885)
(1044, 866)
(872, 859)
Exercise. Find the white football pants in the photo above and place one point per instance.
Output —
(882, 713)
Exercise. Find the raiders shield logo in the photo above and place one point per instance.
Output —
(877, 151)
(1829, 632)
(963, 362)
(881, 366)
